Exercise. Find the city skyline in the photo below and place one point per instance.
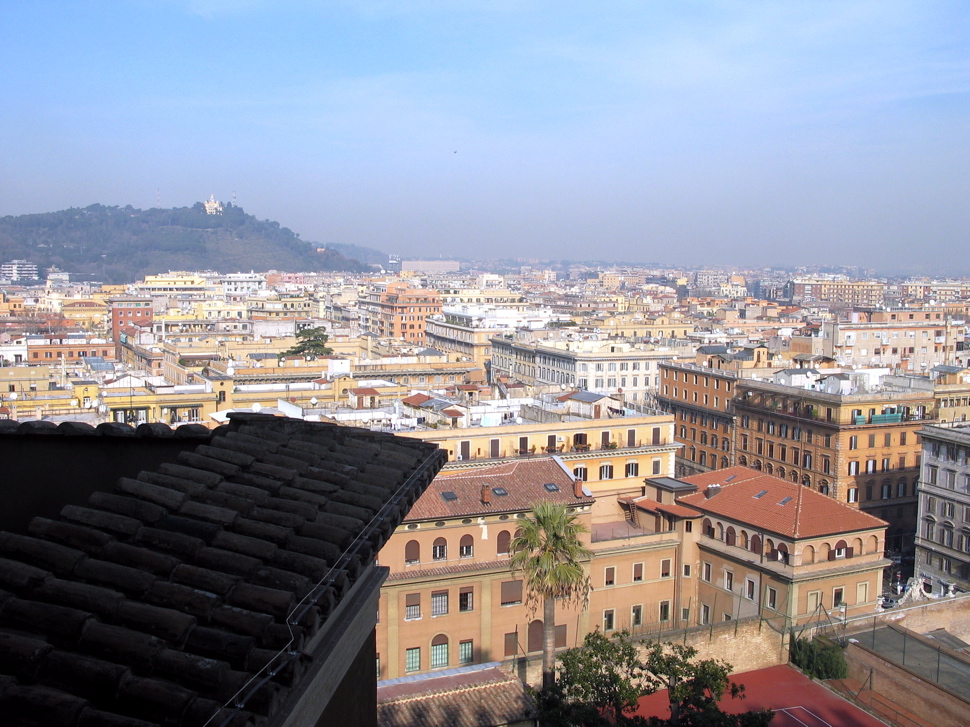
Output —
(747, 134)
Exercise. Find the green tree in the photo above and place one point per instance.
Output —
(695, 687)
(310, 343)
(549, 553)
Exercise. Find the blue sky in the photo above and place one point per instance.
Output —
(754, 133)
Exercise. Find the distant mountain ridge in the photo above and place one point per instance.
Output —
(123, 244)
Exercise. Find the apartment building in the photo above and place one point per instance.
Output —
(913, 341)
(943, 535)
(396, 310)
(632, 372)
(855, 443)
(840, 291)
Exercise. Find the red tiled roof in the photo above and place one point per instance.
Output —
(806, 514)
(416, 399)
(648, 505)
(365, 391)
(524, 481)
(452, 413)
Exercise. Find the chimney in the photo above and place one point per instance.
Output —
(711, 491)
(578, 487)
(486, 494)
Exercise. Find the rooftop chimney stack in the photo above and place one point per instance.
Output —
(711, 491)
(578, 487)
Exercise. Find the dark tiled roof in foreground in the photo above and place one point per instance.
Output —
(157, 602)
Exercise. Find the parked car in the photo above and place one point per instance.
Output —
(890, 601)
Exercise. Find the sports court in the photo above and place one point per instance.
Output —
(796, 699)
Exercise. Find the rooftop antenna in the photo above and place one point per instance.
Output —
(158, 198)
(233, 198)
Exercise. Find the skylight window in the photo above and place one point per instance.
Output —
(785, 501)
(761, 494)
(500, 491)
(551, 487)
(449, 496)
(730, 478)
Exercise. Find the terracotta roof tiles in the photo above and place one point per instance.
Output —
(785, 508)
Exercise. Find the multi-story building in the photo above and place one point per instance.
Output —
(615, 368)
(668, 559)
(19, 270)
(855, 443)
(909, 340)
(396, 310)
(943, 535)
(129, 312)
(839, 291)
(782, 551)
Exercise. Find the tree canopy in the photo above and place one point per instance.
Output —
(601, 682)
(310, 343)
(549, 553)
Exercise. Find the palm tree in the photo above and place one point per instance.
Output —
(548, 551)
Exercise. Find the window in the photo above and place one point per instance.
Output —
(466, 652)
(853, 468)
(665, 610)
(412, 659)
(608, 620)
(729, 580)
(852, 495)
(439, 603)
(665, 568)
(632, 469)
(887, 490)
(466, 599)
(656, 466)
(580, 473)
(707, 572)
(772, 598)
(637, 572)
(609, 576)
(439, 551)
(439, 651)
(853, 442)
(466, 549)
(838, 597)
(636, 617)
(511, 593)
(412, 553)
(502, 542)
(749, 589)
(705, 614)
(606, 472)
(412, 606)
(511, 644)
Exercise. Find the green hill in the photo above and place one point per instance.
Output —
(123, 244)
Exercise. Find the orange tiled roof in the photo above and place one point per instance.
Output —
(523, 480)
(804, 514)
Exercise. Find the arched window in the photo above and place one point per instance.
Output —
(841, 550)
(781, 473)
(502, 541)
(724, 462)
(730, 537)
(412, 553)
(823, 487)
(720, 531)
(743, 540)
(703, 459)
(439, 551)
(756, 543)
(743, 461)
(439, 651)
(873, 544)
(466, 548)
(808, 555)
(807, 481)
(793, 476)
(707, 528)
(757, 464)
(535, 636)
(769, 469)
(782, 553)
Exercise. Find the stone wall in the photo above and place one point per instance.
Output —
(746, 645)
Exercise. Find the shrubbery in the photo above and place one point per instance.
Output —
(819, 659)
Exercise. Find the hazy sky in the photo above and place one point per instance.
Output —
(746, 132)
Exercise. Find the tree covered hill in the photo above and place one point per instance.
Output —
(123, 244)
